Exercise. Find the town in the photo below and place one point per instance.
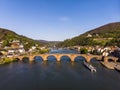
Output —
(16, 49)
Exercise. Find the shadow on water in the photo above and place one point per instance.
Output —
(38, 59)
(65, 59)
(51, 60)
(79, 59)
(25, 60)
(95, 62)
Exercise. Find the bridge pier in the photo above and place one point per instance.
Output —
(31, 58)
(88, 58)
(72, 58)
(115, 59)
(105, 59)
(44, 57)
(58, 60)
(58, 57)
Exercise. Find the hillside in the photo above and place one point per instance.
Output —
(106, 29)
(8, 35)
(106, 35)
(49, 43)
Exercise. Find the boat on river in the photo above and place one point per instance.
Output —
(89, 66)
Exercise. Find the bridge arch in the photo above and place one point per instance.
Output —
(18, 59)
(112, 59)
(79, 58)
(25, 59)
(51, 58)
(65, 57)
(109, 59)
(37, 58)
(95, 60)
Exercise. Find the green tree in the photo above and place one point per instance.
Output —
(84, 51)
(6, 43)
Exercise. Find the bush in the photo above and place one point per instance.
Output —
(43, 51)
(15, 60)
(84, 51)
(7, 60)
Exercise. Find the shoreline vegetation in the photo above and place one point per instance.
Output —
(7, 60)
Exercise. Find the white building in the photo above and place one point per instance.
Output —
(21, 46)
(105, 53)
(21, 50)
(11, 51)
(89, 35)
(33, 47)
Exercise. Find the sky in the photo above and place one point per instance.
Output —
(57, 20)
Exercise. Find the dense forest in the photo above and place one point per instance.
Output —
(107, 35)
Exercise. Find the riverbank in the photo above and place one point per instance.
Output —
(109, 65)
(117, 67)
(7, 60)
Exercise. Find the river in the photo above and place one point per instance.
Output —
(52, 75)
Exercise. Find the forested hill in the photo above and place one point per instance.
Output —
(8, 35)
(108, 28)
(106, 35)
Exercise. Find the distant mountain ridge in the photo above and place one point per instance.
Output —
(49, 43)
(108, 34)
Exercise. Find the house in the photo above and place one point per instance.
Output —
(1, 42)
(33, 47)
(15, 41)
(21, 50)
(4, 52)
(21, 46)
(15, 44)
(105, 53)
(11, 51)
(42, 48)
(89, 35)
(10, 55)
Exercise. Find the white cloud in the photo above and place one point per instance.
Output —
(63, 19)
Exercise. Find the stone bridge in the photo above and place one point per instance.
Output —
(72, 57)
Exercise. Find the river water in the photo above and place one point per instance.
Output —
(52, 75)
